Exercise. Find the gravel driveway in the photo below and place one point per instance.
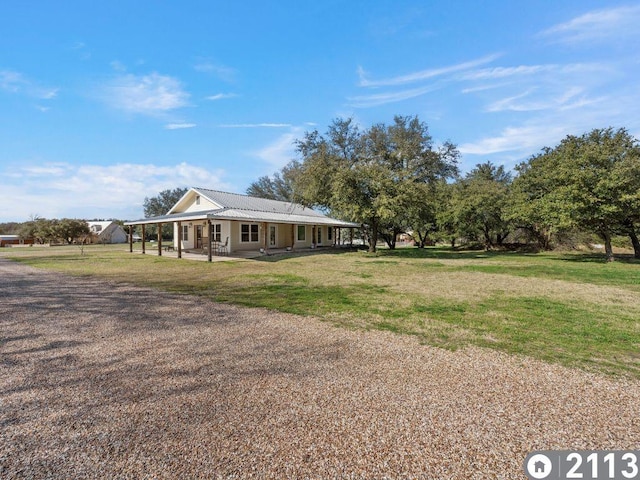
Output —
(103, 380)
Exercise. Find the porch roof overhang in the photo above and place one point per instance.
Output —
(247, 216)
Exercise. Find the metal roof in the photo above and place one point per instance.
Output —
(237, 201)
(249, 209)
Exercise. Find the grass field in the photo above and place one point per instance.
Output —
(572, 309)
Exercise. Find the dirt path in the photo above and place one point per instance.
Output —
(102, 380)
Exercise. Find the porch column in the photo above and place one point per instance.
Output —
(179, 240)
(144, 238)
(293, 236)
(130, 238)
(351, 237)
(209, 235)
(264, 236)
(159, 239)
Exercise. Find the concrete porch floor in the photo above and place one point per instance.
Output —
(243, 255)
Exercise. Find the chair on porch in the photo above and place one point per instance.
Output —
(222, 248)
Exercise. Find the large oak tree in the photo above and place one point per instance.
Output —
(380, 176)
(591, 182)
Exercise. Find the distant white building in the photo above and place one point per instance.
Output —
(107, 232)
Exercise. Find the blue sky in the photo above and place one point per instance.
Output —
(105, 103)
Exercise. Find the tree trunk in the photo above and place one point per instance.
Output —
(392, 242)
(501, 237)
(608, 249)
(635, 242)
(389, 239)
(373, 237)
(634, 238)
(487, 239)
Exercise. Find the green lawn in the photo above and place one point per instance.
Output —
(572, 309)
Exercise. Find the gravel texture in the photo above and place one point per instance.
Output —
(103, 380)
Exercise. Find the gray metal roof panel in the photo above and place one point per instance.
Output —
(237, 201)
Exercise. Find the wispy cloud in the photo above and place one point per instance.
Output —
(524, 138)
(16, 82)
(281, 150)
(571, 98)
(423, 74)
(223, 72)
(118, 66)
(82, 50)
(596, 26)
(438, 78)
(221, 96)
(11, 81)
(151, 94)
(179, 126)
(255, 125)
(373, 100)
(524, 71)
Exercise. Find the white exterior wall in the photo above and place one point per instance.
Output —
(233, 230)
(204, 205)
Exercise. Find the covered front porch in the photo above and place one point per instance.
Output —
(203, 238)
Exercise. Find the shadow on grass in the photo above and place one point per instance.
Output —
(449, 253)
(446, 253)
(598, 258)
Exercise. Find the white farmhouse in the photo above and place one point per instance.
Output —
(209, 220)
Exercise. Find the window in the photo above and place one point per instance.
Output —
(319, 235)
(329, 233)
(217, 232)
(197, 199)
(185, 233)
(302, 233)
(249, 232)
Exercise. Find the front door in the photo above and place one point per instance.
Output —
(198, 236)
(272, 235)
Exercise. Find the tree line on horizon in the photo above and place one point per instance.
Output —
(44, 230)
(393, 179)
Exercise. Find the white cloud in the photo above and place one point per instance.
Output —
(281, 150)
(505, 72)
(11, 81)
(118, 66)
(533, 71)
(255, 125)
(373, 100)
(223, 72)
(56, 190)
(151, 94)
(423, 74)
(564, 100)
(524, 138)
(221, 96)
(15, 82)
(82, 50)
(597, 25)
(179, 126)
